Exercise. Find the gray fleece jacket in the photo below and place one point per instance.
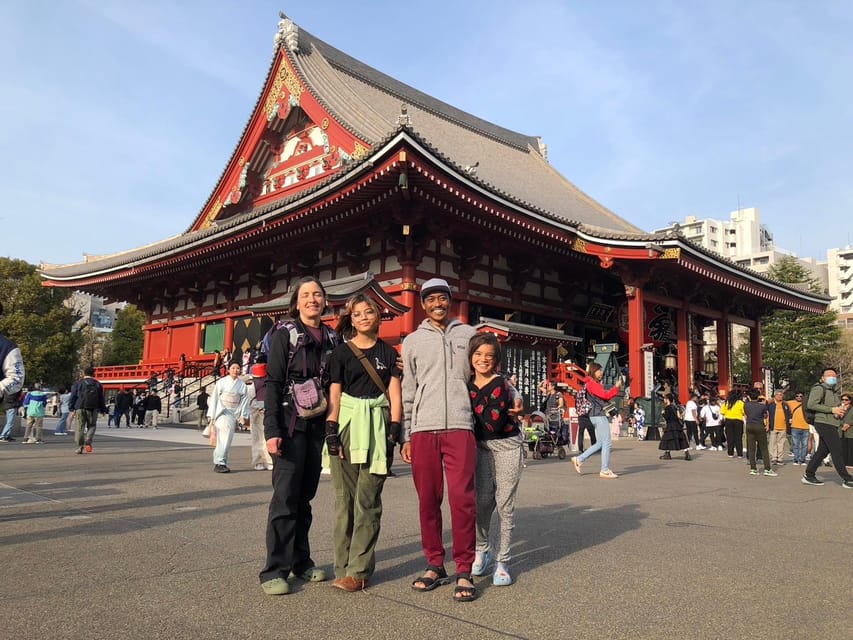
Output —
(435, 379)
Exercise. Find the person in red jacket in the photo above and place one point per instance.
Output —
(599, 396)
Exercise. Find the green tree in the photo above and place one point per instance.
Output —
(796, 345)
(124, 345)
(36, 318)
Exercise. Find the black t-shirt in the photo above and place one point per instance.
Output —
(345, 368)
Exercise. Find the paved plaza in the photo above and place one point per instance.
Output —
(140, 539)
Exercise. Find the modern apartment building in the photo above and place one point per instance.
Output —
(840, 266)
(744, 240)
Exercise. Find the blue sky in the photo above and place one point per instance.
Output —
(118, 117)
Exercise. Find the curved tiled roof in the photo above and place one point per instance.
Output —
(369, 102)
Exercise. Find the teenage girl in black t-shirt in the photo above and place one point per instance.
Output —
(356, 436)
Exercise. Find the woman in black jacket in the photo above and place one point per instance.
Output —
(299, 350)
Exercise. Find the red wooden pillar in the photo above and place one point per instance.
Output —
(229, 335)
(755, 356)
(636, 332)
(685, 376)
(197, 337)
(169, 343)
(463, 301)
(410, 297)
(724, 375)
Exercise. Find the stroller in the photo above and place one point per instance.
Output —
(544, 440)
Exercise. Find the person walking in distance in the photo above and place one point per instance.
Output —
(598, 397)
(201, 408)
(11, 382)
(64, 410)
(755, 411)
(36, 404)
(438, 437)
(86, 402)
(733, 413)
(229, 407)
(673, 438)
(826, 404)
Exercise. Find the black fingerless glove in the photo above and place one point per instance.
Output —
(333, 442)
(394, 432)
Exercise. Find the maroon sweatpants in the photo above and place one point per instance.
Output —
(435, 453)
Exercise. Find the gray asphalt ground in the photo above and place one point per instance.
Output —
(140, 539)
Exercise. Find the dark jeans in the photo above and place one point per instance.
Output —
(830, 444)
(716, 435)
(585, 424)
(692, 432)
(295, 477)
(734, 436)
(756, 434)
(119, 414)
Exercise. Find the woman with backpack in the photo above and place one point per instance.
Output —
(294, 428)
(673, 438)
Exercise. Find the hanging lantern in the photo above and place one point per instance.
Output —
(669, 359)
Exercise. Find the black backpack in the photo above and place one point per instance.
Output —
(808, 414)
(89, 395)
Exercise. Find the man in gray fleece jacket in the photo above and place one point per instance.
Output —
(438, 436)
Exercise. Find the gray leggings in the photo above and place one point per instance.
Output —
(499, 464)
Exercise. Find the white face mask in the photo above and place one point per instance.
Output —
(831, 381)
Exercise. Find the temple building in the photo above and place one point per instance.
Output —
(347, 174)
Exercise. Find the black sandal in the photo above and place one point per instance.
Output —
(431, 583)
(464, 594)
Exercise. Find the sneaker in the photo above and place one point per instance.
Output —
(770, 472)
(700, 447)
(312, 574)
(268, 467)
(607, 474)
(719, 448)
(847, 484)
(79, 450)
(260, 467)
(7, 439)
(39, 441)
(221, 468)
(501, 577)
(482, 562)
(275, 587)
(88, 448)
(812, 481)
(753, 472)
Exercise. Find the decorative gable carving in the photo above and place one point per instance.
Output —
(290, 143)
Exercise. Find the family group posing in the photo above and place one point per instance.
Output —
(452, 412)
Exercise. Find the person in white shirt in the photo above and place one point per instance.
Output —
(691, 420)
(713, 419)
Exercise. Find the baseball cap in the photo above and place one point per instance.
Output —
(435, 285)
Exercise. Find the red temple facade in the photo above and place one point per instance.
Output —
(347, 174)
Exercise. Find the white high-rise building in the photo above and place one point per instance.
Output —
(744, 240)
(840, 266)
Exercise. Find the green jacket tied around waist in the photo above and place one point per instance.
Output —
(365, 419)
